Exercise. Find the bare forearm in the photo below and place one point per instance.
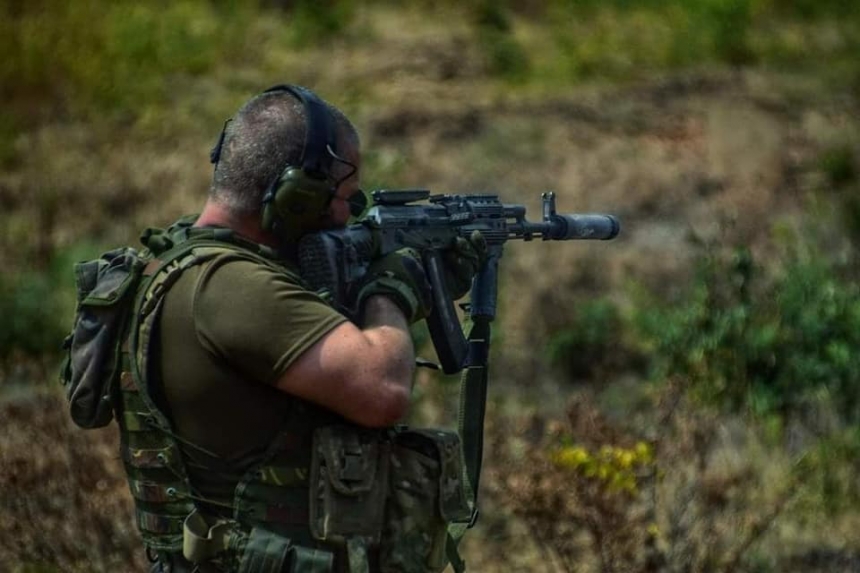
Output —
(363, 374)
(388, 331)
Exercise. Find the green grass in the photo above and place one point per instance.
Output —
(92, 58)
(38, 305)
(624, 40)
(753, 343)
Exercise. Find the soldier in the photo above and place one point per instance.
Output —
(256, 420)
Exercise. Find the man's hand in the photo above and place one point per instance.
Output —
(399, 276)
(462, 261)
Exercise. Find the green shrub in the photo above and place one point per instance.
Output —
(812, 9)
(624, 39)
(313, 21)
(851, 215)
(30, 313)
(829, 470)
(92, 56)
(589, 345)
(37, 305)
(841, 171)
(506, 57)
(8, 130)
(731, 21)
(383, 168)
(746, 341)
(839, 166)
(612, 43)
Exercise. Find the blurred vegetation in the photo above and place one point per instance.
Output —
(744, 340)
(36, 305)
(776, 345)
(31, 326)
(768, 335)
(674, 502)
(588, 344)
(95, 57)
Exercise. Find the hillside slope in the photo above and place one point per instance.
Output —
(715, 154)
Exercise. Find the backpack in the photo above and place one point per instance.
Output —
(106, 288)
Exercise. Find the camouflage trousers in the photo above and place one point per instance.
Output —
(176, 563)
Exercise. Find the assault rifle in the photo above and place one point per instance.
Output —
(334, 261)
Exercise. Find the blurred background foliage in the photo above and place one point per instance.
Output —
(719, 335)
(92, 57)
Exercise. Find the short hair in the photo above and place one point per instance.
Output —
(266, 135)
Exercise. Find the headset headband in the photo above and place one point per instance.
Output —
(316, 159)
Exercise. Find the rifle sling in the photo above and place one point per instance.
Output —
(473, 401)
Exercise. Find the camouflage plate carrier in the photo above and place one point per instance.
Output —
(356, 500)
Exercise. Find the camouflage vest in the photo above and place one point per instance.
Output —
(358, 500)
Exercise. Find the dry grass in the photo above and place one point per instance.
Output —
(710, 498)
(65, 504)
(668, 156)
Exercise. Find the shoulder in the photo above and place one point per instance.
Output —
(237, 271)
(258, 317)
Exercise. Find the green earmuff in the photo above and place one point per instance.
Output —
(295, 203)
(300, 195)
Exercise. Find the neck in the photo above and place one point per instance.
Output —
(215, 214)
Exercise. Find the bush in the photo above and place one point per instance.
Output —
(851, 215)
(93, 56)
(767, 345)
(830, 470)
(506, 57)
(620, 39)
(732, 21)
(601, 498)
(839, 166)
(589, 345)
(314, 21)
(30, 315)
(37, 305)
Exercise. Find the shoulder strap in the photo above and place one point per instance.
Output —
(159, 276)
(162, 272)
(165, 497)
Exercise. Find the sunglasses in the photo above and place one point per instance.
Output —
(357, 203)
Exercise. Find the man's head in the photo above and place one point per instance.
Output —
(270, 163)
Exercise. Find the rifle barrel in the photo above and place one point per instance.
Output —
(589, 226)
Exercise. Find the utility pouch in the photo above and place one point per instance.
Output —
(264, 551)
(105, 290)
(426, 494)
(260, 551)
(348, 484)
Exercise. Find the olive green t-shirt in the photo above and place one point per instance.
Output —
(228, 330)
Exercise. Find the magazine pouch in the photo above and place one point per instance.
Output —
(105, 291)
(426, 494)
(348, 481)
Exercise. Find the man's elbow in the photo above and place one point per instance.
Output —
(389, 408)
